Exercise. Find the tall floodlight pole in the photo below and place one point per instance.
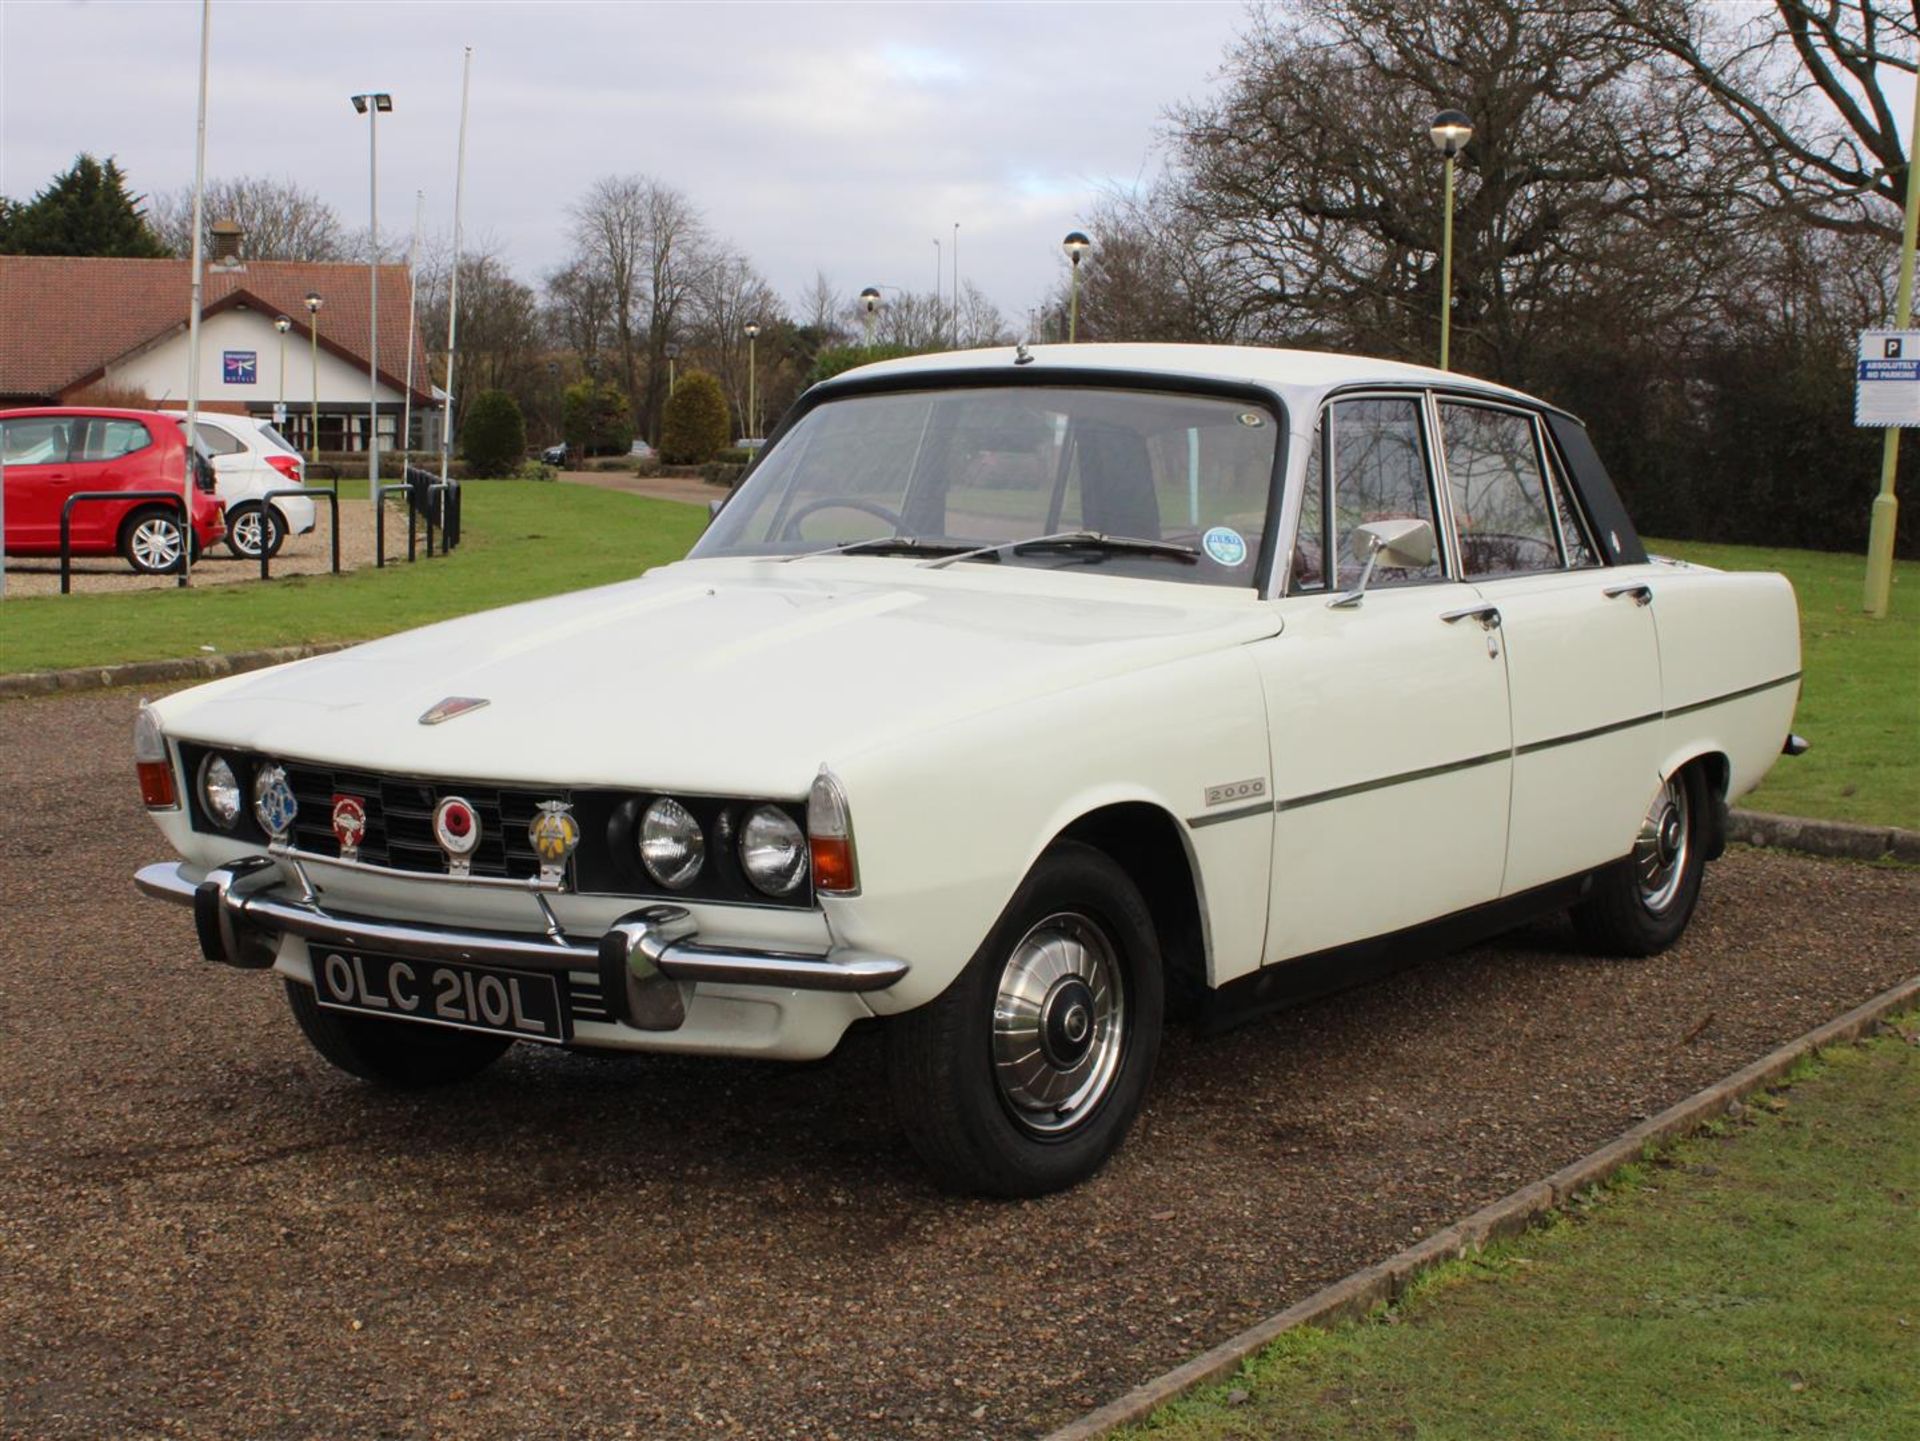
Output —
(753, 397)
(956, 285)
(371, 105)
(939, 273)
(413, 286)
(1450, 132)
(1075, 245)
(193, 315)
(313, 341)
(453, 281)
(1886, 505)
(870, 302)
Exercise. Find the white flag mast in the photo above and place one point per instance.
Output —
(453, 280)
(193, 315)
(413, 292)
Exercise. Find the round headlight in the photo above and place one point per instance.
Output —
(773, 851)
(220, 791)
(672, 846)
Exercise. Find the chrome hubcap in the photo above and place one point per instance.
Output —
(156, 544)
(1660, 853)
(1059, 1023)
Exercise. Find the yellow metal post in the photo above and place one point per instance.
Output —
(1446, 270)
(1886, 506)
(313, 416)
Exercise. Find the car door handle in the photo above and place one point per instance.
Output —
(1487, 615)
(1642, 594)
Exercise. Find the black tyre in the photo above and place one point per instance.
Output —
(400, 1054)
(150, 540)
(1641, 906)
(1025, 1075)
(246, 522)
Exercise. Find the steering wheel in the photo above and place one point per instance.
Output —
(791, 530)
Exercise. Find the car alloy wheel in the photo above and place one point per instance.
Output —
(1059, 1024)
(153, 545)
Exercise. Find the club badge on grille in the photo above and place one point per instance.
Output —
(274, 805)
(456, 826)
(349, 825)
(553, 833)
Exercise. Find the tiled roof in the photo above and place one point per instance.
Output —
(65, 317)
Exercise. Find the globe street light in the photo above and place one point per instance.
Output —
(673, 354)
(1076, 244)
(1450, 132)
(313, 335)
(282, 323)
(753, 398)
(373, 105)
(870, 301)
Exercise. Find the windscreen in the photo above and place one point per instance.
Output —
(956, 469)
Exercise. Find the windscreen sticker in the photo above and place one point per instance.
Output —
(1225, 545)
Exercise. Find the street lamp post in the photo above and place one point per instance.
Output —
(753, 397)
(1076, 244)
(372, 105)
(673, 354)
(313, 336)
(1450, 132)
(1886, 505)
(282, 323)
(870, 302)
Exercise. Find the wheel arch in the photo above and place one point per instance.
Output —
(1151, 846)
(1716, 768)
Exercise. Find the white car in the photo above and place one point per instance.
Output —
(251, 458)
(1017, 700)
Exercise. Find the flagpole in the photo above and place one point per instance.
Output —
(453, 281)
(193, 315)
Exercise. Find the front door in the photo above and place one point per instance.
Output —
(1391, 742)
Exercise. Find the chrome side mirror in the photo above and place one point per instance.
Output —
(1404, 544)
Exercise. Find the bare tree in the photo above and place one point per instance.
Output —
(726, 294)
(280, 219)
(580, 302)
(501, 343)
(1803, 85)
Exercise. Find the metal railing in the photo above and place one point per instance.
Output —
(83, 497)
(437, 501)
(332, 497)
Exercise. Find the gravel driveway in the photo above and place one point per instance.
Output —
(206, 1232)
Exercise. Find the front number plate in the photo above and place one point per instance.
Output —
(523, 1004)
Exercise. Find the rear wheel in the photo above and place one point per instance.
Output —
(400, 1054)
(1641, 905)
(151, 541)
(1025, 1075)
(246, 522)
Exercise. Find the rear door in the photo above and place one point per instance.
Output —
(37, 450)
(1582, 655)
(1391, 757)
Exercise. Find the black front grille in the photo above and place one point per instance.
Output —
(399, 832)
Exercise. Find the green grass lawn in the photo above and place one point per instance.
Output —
(522, 539)
(1860, 699)
(1760, 1283)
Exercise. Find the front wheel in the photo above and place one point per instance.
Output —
(400, 1054)
(1025, 1075)
(1640, 906)
(245, 525)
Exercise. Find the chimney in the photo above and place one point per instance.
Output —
(226, 236)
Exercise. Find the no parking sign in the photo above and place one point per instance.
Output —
(1887, 380)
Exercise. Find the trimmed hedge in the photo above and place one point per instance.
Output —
(693, 423)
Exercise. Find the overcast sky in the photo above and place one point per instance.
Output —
(837, 137)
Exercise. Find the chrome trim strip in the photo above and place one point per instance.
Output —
(839, 969)
(1690, 708)
(1586, 735)
(1260, 808)
(282, 851)
(1405, 778)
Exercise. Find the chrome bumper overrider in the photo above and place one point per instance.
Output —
(648, 960)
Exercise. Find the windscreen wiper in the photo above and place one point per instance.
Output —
(875, 544)
(1074, 540)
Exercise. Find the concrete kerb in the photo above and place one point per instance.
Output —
(1378, 1285)
(1824, 838)
(155, 672)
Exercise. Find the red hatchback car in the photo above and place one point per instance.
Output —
(53, 452)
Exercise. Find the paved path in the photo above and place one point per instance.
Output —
(204, 1231)
(689, 488)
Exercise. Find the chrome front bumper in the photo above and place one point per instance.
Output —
(648, 960)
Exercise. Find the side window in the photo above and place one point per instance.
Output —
(217, 441)
(1573, 531)
(1499, 493)
(37, 439)
(110, 439)
(1310, 545)
(1379, 472)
